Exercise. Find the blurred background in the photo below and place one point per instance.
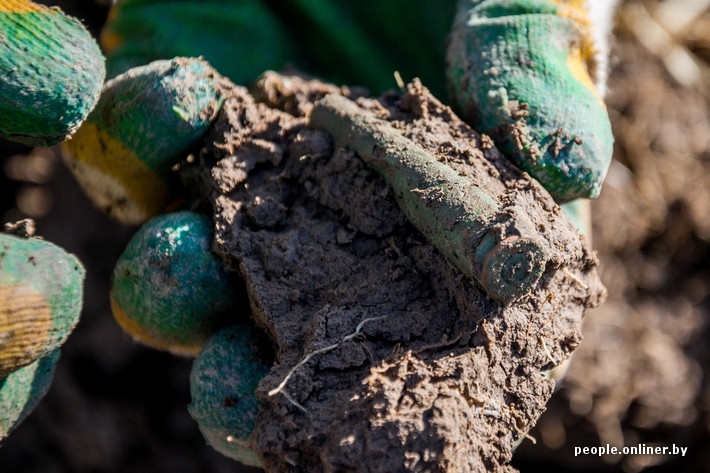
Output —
(640, 376)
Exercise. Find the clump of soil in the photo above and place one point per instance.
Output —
(388, 358)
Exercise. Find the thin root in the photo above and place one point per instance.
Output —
(547, 352)
(290, 399)
(279, 389)
(575, 279)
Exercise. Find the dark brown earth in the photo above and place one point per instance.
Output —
(388, 358)
(639, 376)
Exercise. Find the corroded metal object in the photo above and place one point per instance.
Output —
(452, 212)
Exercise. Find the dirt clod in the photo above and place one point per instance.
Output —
(388, 358)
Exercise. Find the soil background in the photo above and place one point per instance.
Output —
(640, 375)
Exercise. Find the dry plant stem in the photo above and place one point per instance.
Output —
(447, 208)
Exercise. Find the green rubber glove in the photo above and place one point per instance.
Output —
(41, 289)
(23, 389)
(240, 39)
(51, 72)
(169, 290)
(523, 71)
(343, 41)
(223, 380)
(146, 121)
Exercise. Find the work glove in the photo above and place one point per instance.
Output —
(41, 288)
(529, 73)
(51, 73)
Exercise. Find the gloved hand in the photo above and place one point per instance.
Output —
(41, 289)
(530, 73)
(51, 72)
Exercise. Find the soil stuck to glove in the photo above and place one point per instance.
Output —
(388, 357)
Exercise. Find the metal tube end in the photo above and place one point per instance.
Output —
(513, 267)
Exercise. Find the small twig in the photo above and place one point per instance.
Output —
(575, 278)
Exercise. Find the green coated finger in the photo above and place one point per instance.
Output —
(338, 40)
(447, 208)
(21, 391)
(169, 290)
(520, 71)
(241, 39)
(223, 380)
(51, 72)
(352, 44)
(145, 122)
(40, 299)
